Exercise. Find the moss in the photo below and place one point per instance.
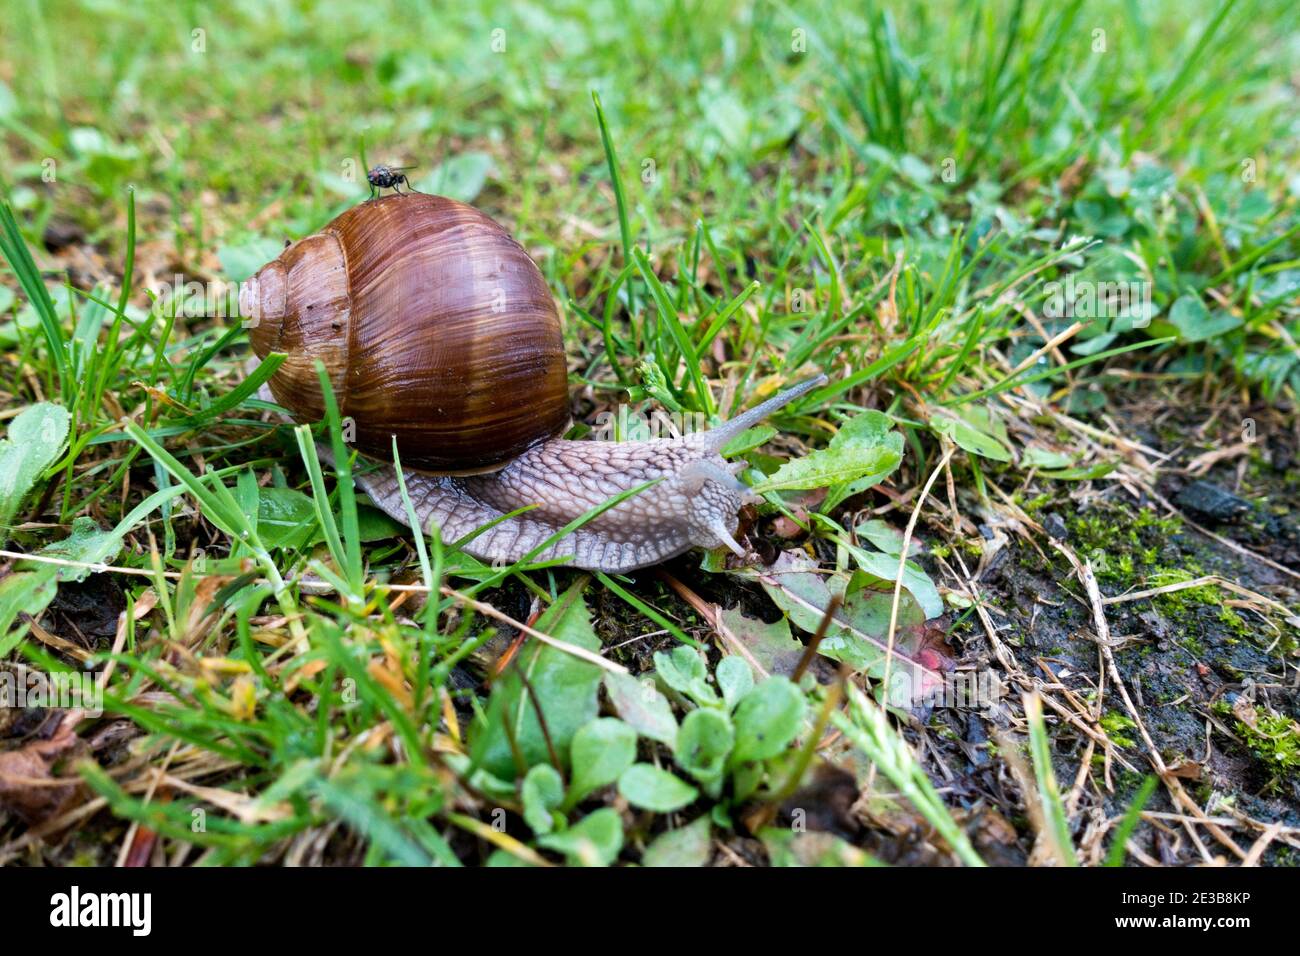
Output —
(1272, 738)
(1036, 504)
(1116, 724)
(1122, 545)
(1179, 606)
(1286, 856)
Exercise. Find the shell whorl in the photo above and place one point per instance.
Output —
(433, 324)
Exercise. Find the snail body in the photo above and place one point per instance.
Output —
(436, 327)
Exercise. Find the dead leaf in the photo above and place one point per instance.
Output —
(1187, 769)
(28, 782)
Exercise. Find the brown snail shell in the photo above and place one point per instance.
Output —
(434, 326)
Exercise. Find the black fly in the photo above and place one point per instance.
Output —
(387, 177)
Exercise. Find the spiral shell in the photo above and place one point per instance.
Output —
(433, 324)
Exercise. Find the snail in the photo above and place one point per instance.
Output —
(436, 327)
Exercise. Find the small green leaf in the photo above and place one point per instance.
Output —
(542, 793)
(650, 788)
(285, 518)
(86, 544)
(563, 688)
(969, 437)
(503, 859)
(35, 438)
(680, 667)
(1036, 456)
(735, 677)
(1196, 323)
(595, 840)
(1086, 473)
(23, 591)
(767, 720)
(684, 671)
(601, 751)
(863, 452)
(691, 845)
(639, 702)
(655, 384)
(703, 744)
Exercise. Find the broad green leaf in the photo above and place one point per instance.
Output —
(542, 793)
(241, 260)
(35, 438)
(884, 567)
(771, 645)
(684, 670)
(86, 544)
(859, 633)
(703, 744)
(601, 751)
(886, 537)
(691, 845)
(769, 717)
(639, 702)
(651, 788)
(287, 519)
(595, 840)
(563, 688)
(735, 677)
(748, 440)
(970, 438)
(863, 452)
(23, 591)
(1196, 323)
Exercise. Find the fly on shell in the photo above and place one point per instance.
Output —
(388, 177)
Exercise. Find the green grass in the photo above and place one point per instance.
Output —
(723, 197)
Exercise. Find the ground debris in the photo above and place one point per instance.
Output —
(29, 775)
